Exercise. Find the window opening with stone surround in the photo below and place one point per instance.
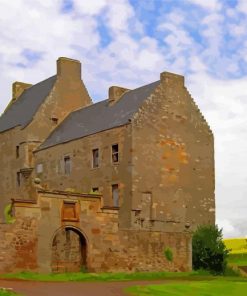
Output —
(39, 168)
(115, 154)
(17, 151)
(67, 165)
(115, 195)
(95, 160)
(18, 179)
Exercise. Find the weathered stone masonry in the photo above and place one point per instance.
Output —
(105, 186)
(28, 244)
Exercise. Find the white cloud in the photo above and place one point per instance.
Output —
(224, 104)
(242, 6)
(92, 7)
(208, 4)
(118, 15)
(229, 230)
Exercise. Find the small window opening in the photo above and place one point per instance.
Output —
(115, 195)
(115, 157)
(17, 151)
(67, 165)
(18, 179)
(95, 189)
(39, 168)
(54, 120)
(95, 158)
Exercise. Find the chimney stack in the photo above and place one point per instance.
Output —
(171, 78)
(115, 93)
(68, 68)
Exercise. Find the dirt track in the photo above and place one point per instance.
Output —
(29, 288)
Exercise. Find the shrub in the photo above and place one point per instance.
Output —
(8, 214)
(208, 250)
(168, 254)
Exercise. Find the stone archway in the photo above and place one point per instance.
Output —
(69, 251)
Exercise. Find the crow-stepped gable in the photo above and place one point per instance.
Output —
(104, 186)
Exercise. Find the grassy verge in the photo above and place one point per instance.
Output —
(195, 275)
(7, 293)
(202, 288)
(63, 277)
(238, 259)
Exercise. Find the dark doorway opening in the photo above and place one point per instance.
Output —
(69, 251)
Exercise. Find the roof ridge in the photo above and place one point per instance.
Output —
(27, 89)
(98, 117)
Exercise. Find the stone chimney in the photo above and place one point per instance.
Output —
(18, 88)
(171, 78)
(115, 93)
(68, 68)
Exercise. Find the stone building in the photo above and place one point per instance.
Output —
(104, 186)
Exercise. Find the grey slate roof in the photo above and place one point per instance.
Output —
(24, 108)
(99, 116)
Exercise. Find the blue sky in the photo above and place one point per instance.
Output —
(128, 43)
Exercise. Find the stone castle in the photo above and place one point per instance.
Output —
(104, 186)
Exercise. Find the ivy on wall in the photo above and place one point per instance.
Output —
(9, 219)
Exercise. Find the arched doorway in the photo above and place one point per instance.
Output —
(69, 251)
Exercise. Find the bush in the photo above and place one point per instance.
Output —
(168, 254)
(208, 250)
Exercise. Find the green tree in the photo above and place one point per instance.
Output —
(208, 249)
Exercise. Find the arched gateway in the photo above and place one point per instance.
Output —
(69, 250)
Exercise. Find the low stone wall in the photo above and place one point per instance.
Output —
(18, 245)
(37, 241)
(131, 250)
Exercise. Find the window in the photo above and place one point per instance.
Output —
(39, 168)
(95, 158)
(17, 151)
(115, 195)
(95, 189)
(115, 153)
(18, 179)
(67, 165)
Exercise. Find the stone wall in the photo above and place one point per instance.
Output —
(18, 245)
(37, 240)
(67, 95)
(174, 187)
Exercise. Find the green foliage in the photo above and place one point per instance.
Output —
(208, 250)
(230, 271)
(84, 269)
(168, 254)
(4, 292)
(237, 259)
(8, 215)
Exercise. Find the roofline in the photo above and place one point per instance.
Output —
(75, 139)
(6, 130)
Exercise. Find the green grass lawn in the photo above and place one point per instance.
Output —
(7, 293)
(201, 288)
(199, 283)
(107, 276)
(238, 259)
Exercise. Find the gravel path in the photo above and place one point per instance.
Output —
(29, 288)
